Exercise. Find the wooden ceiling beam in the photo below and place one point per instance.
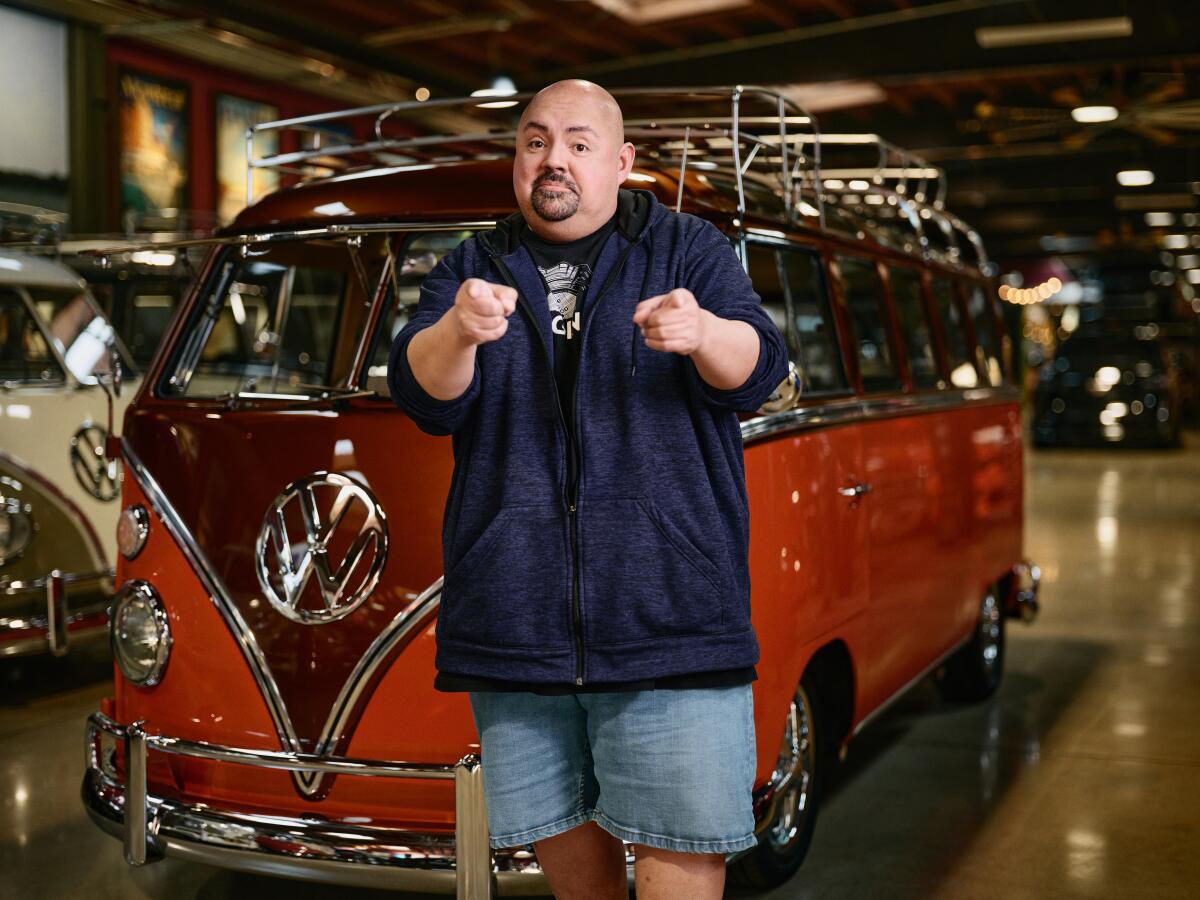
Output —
(838, 8)
(771, 12)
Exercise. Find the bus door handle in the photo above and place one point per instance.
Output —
(856, 490)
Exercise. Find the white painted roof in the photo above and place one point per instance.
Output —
(26, 269)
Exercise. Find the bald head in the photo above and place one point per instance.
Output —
(571, 159)
(591, 99)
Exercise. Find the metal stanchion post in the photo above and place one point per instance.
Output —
(473, 852)
(135, 795)
(56, 613)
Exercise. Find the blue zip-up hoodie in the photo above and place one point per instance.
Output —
(640, 569)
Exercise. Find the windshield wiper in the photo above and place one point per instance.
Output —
(231, 398)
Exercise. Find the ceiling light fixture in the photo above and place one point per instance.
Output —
(502, 86)
(1135, 177)
(1090, 115)
(994, 36)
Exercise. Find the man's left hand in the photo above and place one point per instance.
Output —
(673, 322)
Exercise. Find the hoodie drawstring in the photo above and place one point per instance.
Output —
(633, 347)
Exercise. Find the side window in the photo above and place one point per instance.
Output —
(962, 368)
(765, 274)
(819, 357)
(983, 315)
(25, 355)
(914, 327)
(864, 298)
(421, 253)
(82, 335)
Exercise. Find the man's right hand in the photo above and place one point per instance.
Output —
(481, 310)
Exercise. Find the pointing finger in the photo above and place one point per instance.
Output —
(648, 306)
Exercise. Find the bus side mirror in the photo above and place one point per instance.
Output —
(110, 383)
(786, 395)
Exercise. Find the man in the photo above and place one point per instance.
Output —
(595, 601)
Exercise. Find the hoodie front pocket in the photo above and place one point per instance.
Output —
(512, 585)
(643, 577)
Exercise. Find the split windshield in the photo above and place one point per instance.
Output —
(272, 316)
(287, 319)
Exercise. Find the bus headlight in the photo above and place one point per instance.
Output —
(141, 635)
(16, 528)
(132, 528)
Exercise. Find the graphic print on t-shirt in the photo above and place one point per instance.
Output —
(565, 284)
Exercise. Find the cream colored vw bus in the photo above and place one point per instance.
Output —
(59, 494)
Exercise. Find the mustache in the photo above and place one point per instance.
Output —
(556, 178)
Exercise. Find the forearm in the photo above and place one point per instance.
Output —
(728, 351)
(442, 361)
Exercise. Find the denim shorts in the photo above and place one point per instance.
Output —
(665, 768)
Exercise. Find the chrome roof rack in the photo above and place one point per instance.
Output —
(30, 227)
(750, 135)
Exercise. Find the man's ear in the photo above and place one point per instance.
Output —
(625, 161)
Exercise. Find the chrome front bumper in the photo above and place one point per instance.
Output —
(311, 847)
(46, 620)
(308, 847)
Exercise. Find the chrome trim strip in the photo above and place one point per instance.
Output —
(39, 584)
(406, 621)
(34, 645)
(272, 759)
(217, 592)
(308, 780)
(908, 685)
(340, 230)
(848, 410)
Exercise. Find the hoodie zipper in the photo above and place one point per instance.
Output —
(572, 438)
(571, 499)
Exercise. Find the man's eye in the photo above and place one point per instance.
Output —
(581, 146)
(536, 144)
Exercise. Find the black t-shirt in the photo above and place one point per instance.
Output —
(566, 270)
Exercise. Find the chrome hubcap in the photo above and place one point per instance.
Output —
(989, 631)
(798, 755)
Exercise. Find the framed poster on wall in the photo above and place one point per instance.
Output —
(153, 151)
(233, 116)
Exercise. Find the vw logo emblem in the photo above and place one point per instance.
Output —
(97, 474)
(327, 530)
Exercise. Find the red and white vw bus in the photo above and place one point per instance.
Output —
(280, 563)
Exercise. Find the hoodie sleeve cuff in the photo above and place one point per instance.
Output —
(431, 414)
(759, 385)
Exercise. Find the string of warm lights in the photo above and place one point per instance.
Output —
(1025, 296)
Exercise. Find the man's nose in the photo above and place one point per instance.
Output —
(556, 157)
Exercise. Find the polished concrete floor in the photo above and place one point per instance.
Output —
(1080, 779)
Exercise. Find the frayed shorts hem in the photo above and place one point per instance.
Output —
(666, 842)
(540, 833)
(632, 835)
